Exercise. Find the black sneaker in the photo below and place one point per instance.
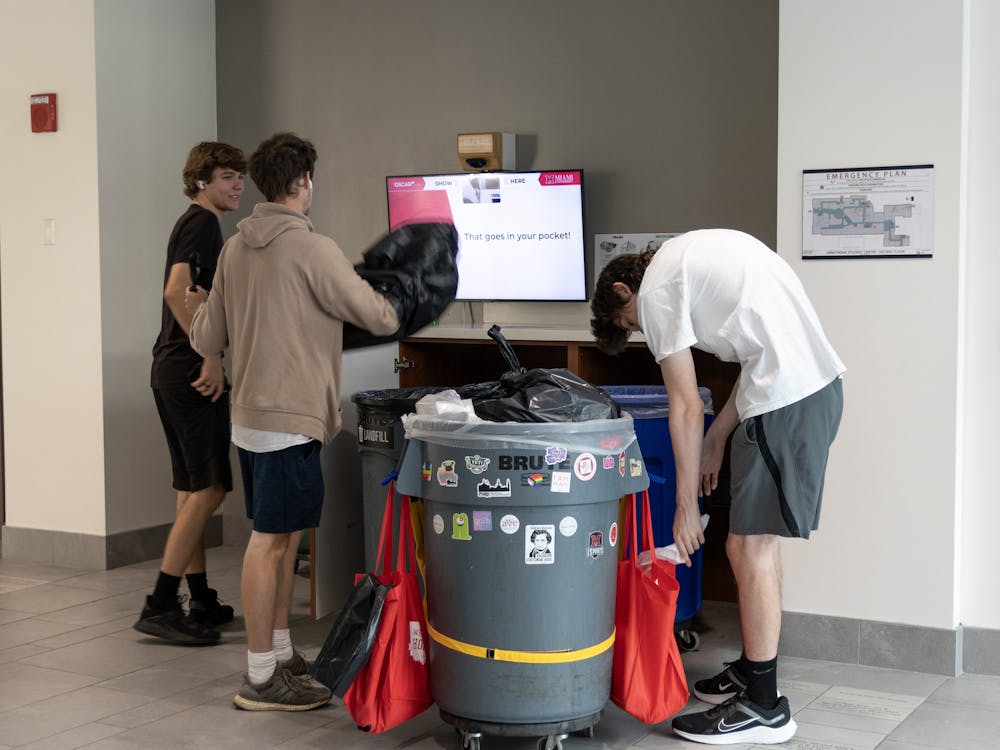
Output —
(210, 611)
(174, 625)
(728, 683)
(282, 692)
(738, 720)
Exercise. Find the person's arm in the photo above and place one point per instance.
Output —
(714, 445)
(687, 424)
(173, 294)
(347, 296)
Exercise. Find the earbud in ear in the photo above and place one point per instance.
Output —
(200, 184)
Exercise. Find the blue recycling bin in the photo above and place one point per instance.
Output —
(650, 410)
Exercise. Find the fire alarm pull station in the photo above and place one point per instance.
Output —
(43, 113)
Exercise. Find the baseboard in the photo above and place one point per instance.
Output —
(93, 551)
(877, 644)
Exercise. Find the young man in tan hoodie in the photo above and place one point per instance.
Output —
(280, 298)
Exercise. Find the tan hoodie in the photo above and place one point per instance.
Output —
(279, 299)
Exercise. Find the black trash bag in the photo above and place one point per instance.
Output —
(350, 641)
(537, 395)
(415, 268)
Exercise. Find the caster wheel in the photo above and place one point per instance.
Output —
(472, 742)
(551, 742)
(688, 640)
(588, 732)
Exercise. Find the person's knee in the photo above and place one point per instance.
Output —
(752, 552)
(269, 546)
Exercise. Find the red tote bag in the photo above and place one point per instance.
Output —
(394, 684)
(647, 676)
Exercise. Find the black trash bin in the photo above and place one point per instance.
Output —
(380, 443)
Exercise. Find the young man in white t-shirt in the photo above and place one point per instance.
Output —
(726, 293)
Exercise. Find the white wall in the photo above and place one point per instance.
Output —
(979, 604)
(53, 401)
(155, 99)
(872, 83)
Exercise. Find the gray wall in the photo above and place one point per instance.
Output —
(670, 106)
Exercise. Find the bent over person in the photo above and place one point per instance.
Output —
(282, 293)
(726, 293)
(192, 402)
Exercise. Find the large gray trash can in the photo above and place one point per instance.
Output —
(380, 443)
(520, 538)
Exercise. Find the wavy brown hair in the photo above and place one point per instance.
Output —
(204, 158)
(606, 305)
(279, 161)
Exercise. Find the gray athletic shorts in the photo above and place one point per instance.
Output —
(779, 464)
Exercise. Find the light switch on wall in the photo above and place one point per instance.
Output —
(48, 231)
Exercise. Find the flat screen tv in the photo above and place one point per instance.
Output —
(520, 234)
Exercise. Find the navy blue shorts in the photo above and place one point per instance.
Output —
(197, 433)
(283, 489)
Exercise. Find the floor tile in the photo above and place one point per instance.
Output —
(104, 608)
(23, 684)
(105, 657)
(63, 712)
(9, 615)
(970, 690)
(23, 651)
(47, 597)
(144, 714)
(822, 737)
(23, 632)
(77, 737)
(951, 726)
(866, 703)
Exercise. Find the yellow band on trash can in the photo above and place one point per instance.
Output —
(528, 657)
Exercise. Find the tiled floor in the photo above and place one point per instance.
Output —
(74, 674)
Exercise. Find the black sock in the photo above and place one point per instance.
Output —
(198, 585)
(762, 681)
(165, 593)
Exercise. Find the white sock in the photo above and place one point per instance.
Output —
(260, 666)
(281, 642)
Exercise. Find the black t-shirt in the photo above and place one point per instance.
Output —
(198, 230)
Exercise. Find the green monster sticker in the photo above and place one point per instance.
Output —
(460, 527)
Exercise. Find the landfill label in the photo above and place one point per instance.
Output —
(539, 544)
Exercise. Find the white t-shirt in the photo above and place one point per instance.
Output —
(265, 441)
(728, 294)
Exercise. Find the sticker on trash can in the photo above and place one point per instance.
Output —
(446, 474)
(536, 479)
(635, 467)
(509, 524)
(438, 523)
(377, 438)
(539, 544)
(425, 471)
(460, 527)
(608, 462)
(567, 526)
(621, 463)
(585, 467)
(482, 520)
(560, 481)
(498, 488)
(613, 534)
(477, 464)
(595, 545)
(555, 455)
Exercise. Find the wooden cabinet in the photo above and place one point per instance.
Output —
(454, 357)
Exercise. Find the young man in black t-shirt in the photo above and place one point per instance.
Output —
(192, 399)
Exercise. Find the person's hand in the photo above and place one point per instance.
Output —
(688, 534)
(194, 299)
(713, 447)
(211, 383)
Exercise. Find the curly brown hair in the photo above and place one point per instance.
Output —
(204, 158)
(606, 305)
(278, 162)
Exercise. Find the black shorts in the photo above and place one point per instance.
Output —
(283, 489)
(197, 434)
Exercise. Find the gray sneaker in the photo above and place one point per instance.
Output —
(297, 665)
(281, 692)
